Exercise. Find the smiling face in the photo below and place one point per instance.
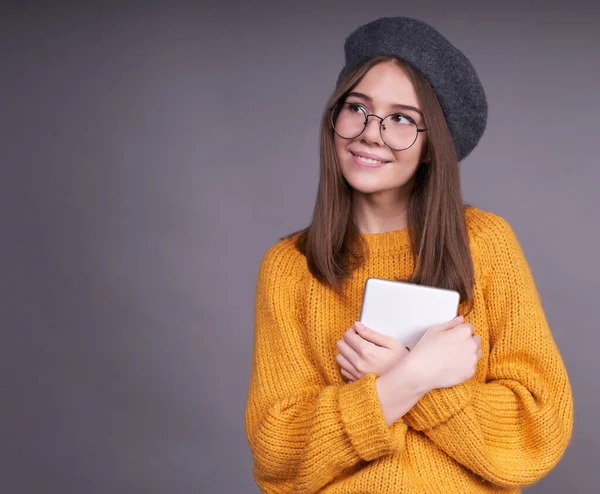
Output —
(383, 90)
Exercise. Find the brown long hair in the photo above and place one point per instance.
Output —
(435, 215)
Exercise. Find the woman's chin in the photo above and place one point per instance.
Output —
(366, 186)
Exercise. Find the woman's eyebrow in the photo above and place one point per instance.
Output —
(395, 105)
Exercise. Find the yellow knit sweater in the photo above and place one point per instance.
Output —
(311, 431)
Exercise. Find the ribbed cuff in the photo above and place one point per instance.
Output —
(364, 420)
(437, 406)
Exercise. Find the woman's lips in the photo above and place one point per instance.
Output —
(358, 161)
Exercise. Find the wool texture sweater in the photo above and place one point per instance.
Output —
(310, 430)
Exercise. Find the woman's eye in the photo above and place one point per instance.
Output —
(397, 118)
(354, 107)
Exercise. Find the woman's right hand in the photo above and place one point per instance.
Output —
(446, 355)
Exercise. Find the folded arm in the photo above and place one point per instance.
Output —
(514, 428)
(302, 432)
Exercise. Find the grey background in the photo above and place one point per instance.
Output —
(152, 152)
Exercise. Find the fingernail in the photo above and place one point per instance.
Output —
(359, 325)
(459, 318)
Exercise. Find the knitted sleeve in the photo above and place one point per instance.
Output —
(302, 432)
(514, 428)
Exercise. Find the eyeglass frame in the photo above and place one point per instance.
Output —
(367, 115)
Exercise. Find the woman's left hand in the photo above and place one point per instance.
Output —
(364, 351)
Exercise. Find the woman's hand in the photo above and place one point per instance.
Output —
(446, 355)
(364, 351)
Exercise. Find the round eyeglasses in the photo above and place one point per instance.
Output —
(398, 131)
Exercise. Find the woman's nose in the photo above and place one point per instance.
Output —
(372, 132)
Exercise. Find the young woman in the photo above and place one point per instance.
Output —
(482, 403)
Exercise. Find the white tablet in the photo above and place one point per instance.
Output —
(406, 310)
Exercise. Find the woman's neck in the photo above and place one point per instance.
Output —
(379, 212)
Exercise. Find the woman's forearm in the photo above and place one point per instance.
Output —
(398, 391)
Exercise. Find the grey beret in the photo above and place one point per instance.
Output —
(444, 66)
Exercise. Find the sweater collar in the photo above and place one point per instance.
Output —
(394, 240)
